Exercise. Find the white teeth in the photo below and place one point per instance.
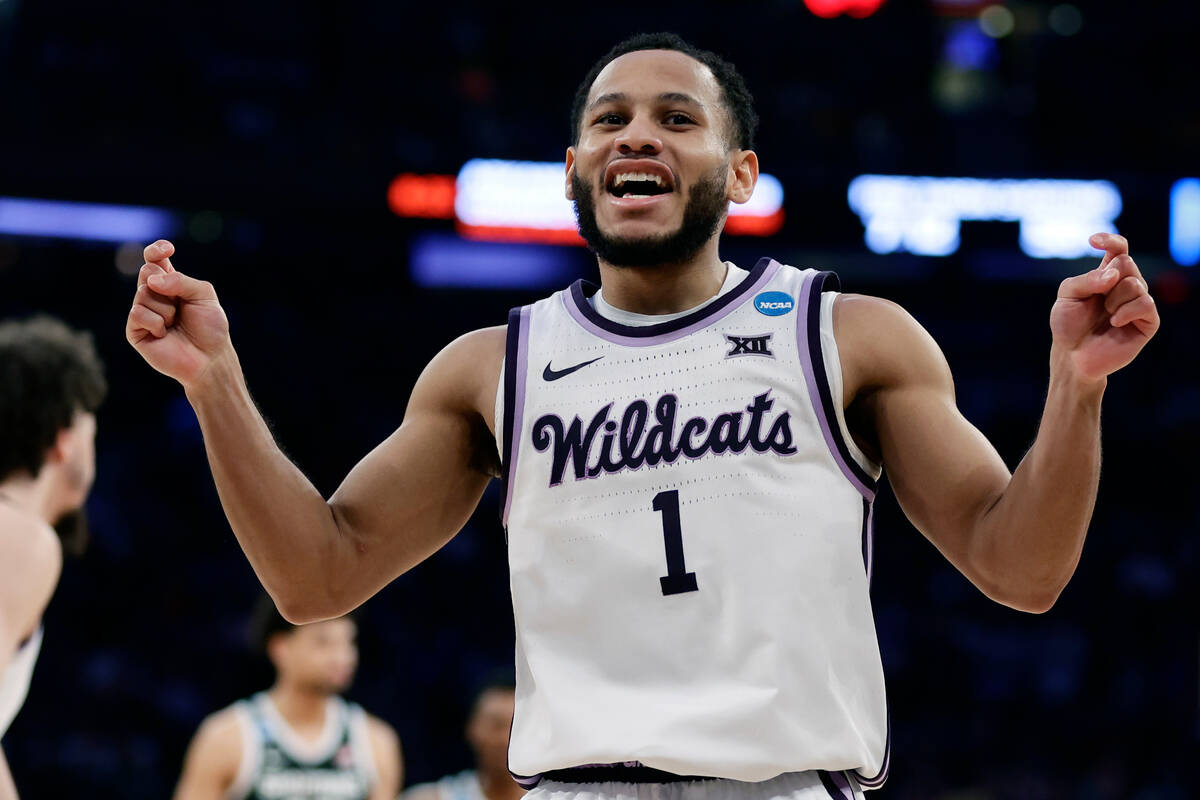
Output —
(636, 176)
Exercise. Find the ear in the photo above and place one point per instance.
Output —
(64, 443)
(276, 648)
(570, 191)
(744, 175)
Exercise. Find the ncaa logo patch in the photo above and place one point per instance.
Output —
(774, 304)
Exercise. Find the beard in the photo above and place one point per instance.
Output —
(702, 216)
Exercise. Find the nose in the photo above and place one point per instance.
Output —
(639, 136)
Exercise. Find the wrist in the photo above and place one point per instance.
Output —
(1065, 375)
(222, 375)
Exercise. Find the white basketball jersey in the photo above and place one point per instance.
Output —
(688, 528)
(14, 681)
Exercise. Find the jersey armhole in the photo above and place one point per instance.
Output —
(833, 373)
(249, 764)
(516, 356)
(498, 412)
(826, 403)
(360, 744)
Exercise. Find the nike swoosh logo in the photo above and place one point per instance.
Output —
(554, 374)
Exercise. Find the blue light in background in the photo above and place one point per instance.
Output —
(439, 260)
(967, 47)
(1185, 222)
(88, 221)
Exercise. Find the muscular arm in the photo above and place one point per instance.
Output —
(385, 747)
(399, 505)
(1015, 536)
(1018, 537)
(402, 502)
(212, 760)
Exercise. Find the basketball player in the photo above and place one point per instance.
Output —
(299, 740)
(689, 456)
(51, 383)
(487, 733)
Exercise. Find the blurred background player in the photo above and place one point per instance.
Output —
(487, 732)
(298, 740)
(51, 383)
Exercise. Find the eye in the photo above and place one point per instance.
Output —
(679, 118)
(609, 118)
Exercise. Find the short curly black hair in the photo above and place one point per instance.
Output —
(48, 373)
(738, 100)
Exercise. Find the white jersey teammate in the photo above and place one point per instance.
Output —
(689, 457)
(51, 384)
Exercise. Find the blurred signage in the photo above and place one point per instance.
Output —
(1185, 222)
(444, 260)
(98, 222)
(924, 215)
(828, 9)
(429, 196)
(523, 201)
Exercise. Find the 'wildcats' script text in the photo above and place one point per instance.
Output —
(608, 446)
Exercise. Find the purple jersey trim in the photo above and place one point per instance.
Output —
(869, 543)
(526, 782)
(880, 777)
(576, 302)
(808, 335)
(516, 357)
(837, 784)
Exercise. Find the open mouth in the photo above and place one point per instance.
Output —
(637, 184)
(645, 179)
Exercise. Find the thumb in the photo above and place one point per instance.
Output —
(176, 284)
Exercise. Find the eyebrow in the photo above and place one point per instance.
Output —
(670, 97)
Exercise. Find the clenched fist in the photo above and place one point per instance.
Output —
(1103, 318)
(176, 322)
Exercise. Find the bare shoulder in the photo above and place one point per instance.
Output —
(218, 741)
(464, 375)
(381, 733)
(882, 346)
(385, 748)
(213, 758)
(28, 539)
(30, 563)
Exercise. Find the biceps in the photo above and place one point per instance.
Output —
(944, 472)
(414, 491)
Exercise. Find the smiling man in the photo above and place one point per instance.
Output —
(689, 457)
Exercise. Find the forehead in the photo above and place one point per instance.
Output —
(495, 701)
(649, 73)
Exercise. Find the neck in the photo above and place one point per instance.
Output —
(498, 785)
(665, 288)
(299, 706)
(32, 495)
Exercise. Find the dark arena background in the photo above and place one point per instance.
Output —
(362, 182)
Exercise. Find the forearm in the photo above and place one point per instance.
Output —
(1031, 538)
(282, 523)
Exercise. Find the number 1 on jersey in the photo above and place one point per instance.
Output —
(677, 580)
